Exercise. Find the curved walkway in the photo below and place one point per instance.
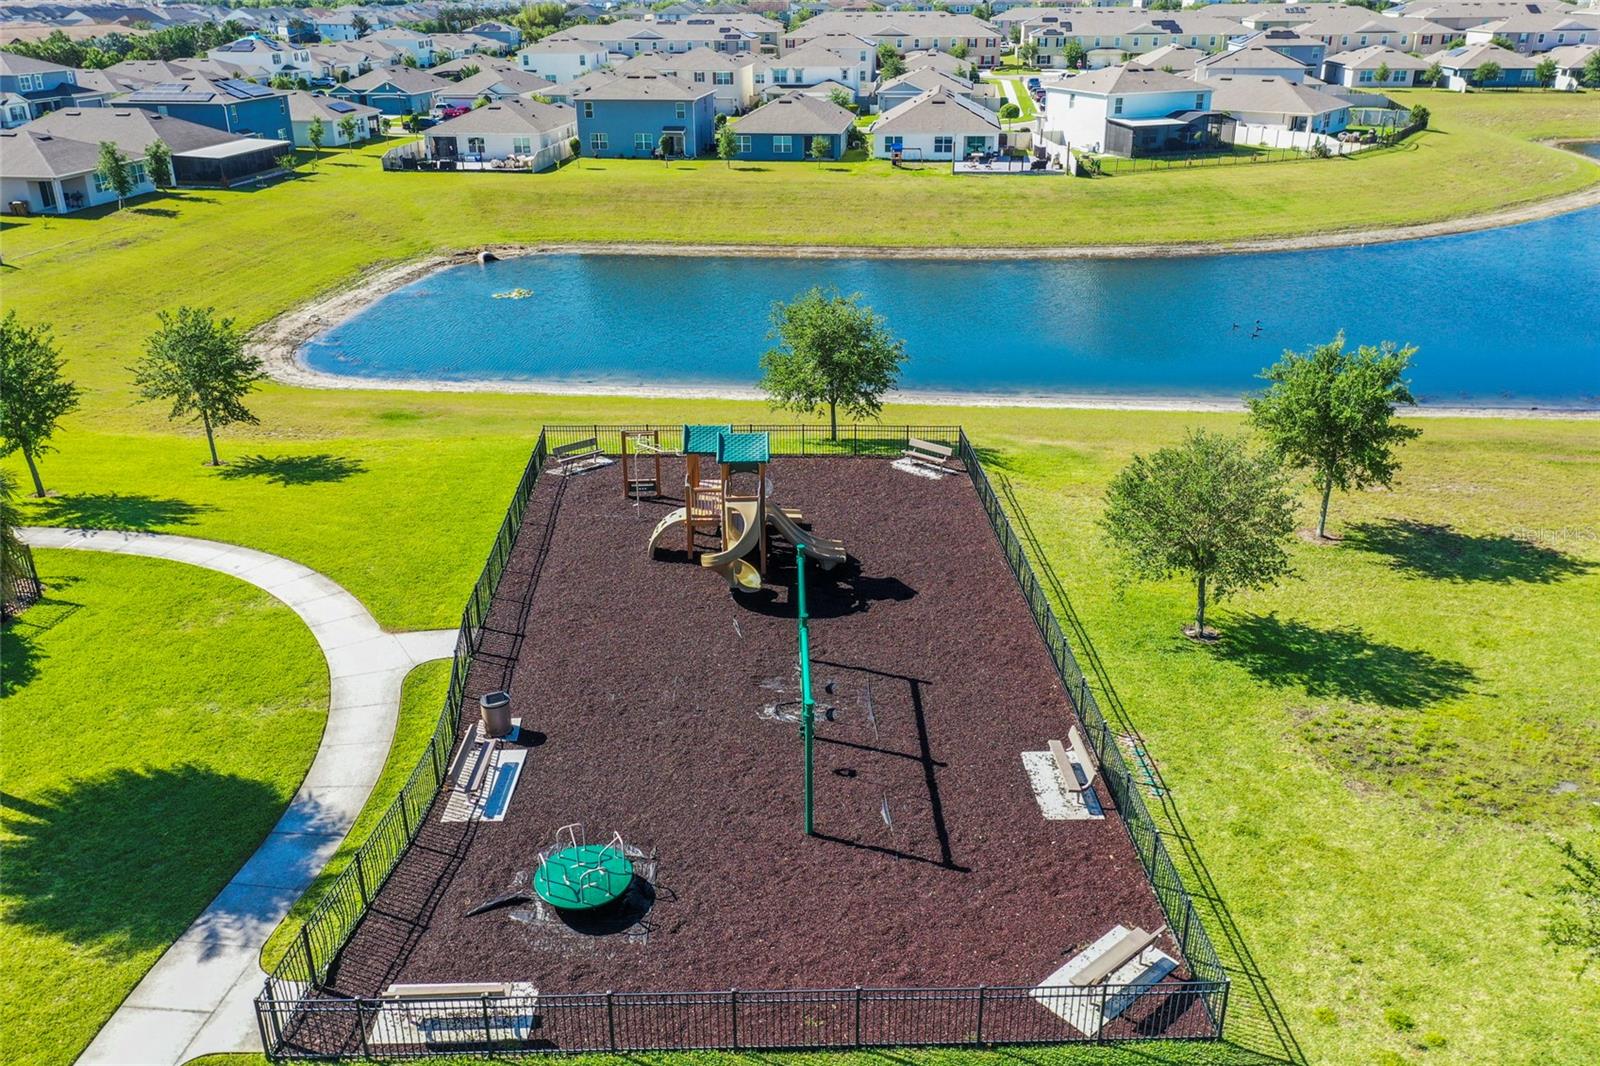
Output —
(196, 999)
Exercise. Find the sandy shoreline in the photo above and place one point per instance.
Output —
(278, 342)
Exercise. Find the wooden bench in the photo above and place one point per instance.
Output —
(577, 454)
(925, 451)
(1080, 754)
(1127, 947)
(465, 990)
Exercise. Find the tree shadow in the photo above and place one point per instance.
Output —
(1422, 549)
(127, 859)
(1341, 662)
(20, 655)
(293, 469)
(158, 212)
(114, 510)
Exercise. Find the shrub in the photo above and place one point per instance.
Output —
(1399, 1020)
(1420, 116)
(1010, 110)
(574, 144)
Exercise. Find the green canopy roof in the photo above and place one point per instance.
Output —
(743, 449)
(702, 440)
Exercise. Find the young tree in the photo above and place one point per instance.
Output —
(1487, 73)
(1434, 74)
(1331, 412)
(361, 25)
(316, 133)
(1028, 53)
(840, 98)
(288, 162)
(834, 351)
(468, 71)
(960, 50)
(115, 171)
(1576, 922)
(727, 144)
(821, 148)
(199, 364)
(664, 146)
(158, 161)
(1208, 508)
(1008, 110)
(347, 129)
(1591, 71)
(890, 65)
(1545, 72)
(1382, 74)
(33, 393)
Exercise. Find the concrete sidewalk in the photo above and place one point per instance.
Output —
(196, 999)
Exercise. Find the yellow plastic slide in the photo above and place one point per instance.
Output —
(828, 553)
(741, 517)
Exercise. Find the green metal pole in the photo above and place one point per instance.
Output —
(807, 708)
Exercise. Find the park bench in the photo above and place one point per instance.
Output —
(1129, 945)
(458, 990)
(579, 455)
(925, 451)
(1080, 754)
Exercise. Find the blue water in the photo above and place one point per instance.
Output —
(1502, 316)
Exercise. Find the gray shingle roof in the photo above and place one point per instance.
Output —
(936, 111)
(1271, 95)
(66, 142)
(796, 112)
(1127, 80)
(514, 115)
(643, 86)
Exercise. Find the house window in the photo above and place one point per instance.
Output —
(722, 77)
(943, 143)
(700, 77)
(597, 142)
(643, 142)
(100, 183)
(782, 145)
(681, 109)
(741, 143)
(893, 144)
(522, 146)
(1116, 106)
(474, 145)
(588, 109)
(1199, 101)
(47, 193)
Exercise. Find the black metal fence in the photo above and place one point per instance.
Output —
(1182, 917)
(22, 579)
(298, 1019)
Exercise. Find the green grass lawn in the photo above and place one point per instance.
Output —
(1369, 762)
(157, 718)
(1023, 100)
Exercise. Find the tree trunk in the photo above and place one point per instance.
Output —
(833, 420)
(1200, 606)
(1322, 516)
(38, 486)
(211, 441)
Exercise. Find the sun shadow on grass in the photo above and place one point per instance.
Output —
(125, 860)
(20, 654)
(114, 510)
(1338, 662)
(293, 469)
(158, 212)
(1421, 549)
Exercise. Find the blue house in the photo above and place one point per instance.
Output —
(394, 90)
(784, 129)
(233, 106)
(32, 87)
(627, 116)
(1459, 67)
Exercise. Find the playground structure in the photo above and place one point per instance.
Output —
(711, 503)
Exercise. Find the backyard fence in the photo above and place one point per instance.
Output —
(22, 579)
(299, 1018)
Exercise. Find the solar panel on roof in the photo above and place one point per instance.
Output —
(340, 106)
(243, 90)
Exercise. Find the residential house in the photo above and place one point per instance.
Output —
(896, 91)
(563, 60)
(1570, 61)
(51, 165)
(1359, 69)
(1279, 103)
(264, 59)
(336, 25)
(32, 87)
(378, 53)
(394, 90)
(1131, 111)
(305, 108)
(1110, 37)
(1344, 29)
(853, 64)
(731, 75)
(907, 31)
(943, 62)
(627, 115)
(1172, 58)
(630, 37)
(1307, 51)
(936, 125)
(515, 128)
(419, 46)
(232, 106)
(1531, 34)
(509, 36)
(785, 129)
(456, 69)
(1250, 62)
(448, 46)
(336, 62)
(487, 85)
(1459, 67)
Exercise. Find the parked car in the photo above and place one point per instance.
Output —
(1033, 85)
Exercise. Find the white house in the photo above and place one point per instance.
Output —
(1360, 69)
(488, 85)
(1569, 60)
(896, 91)
(1132, 111)
(1280, 104)
(516, 129)
(1256, 61)
(264, 58)
(850, 64)
(935, 125)
(563, 60)
(419, 46)
(1534, 32)
(336, 62)
(731, 75)
(304, 108)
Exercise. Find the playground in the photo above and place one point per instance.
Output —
(661, 682)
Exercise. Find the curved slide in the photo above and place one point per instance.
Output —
(673, 520)
(828, 553)
(730, 562)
